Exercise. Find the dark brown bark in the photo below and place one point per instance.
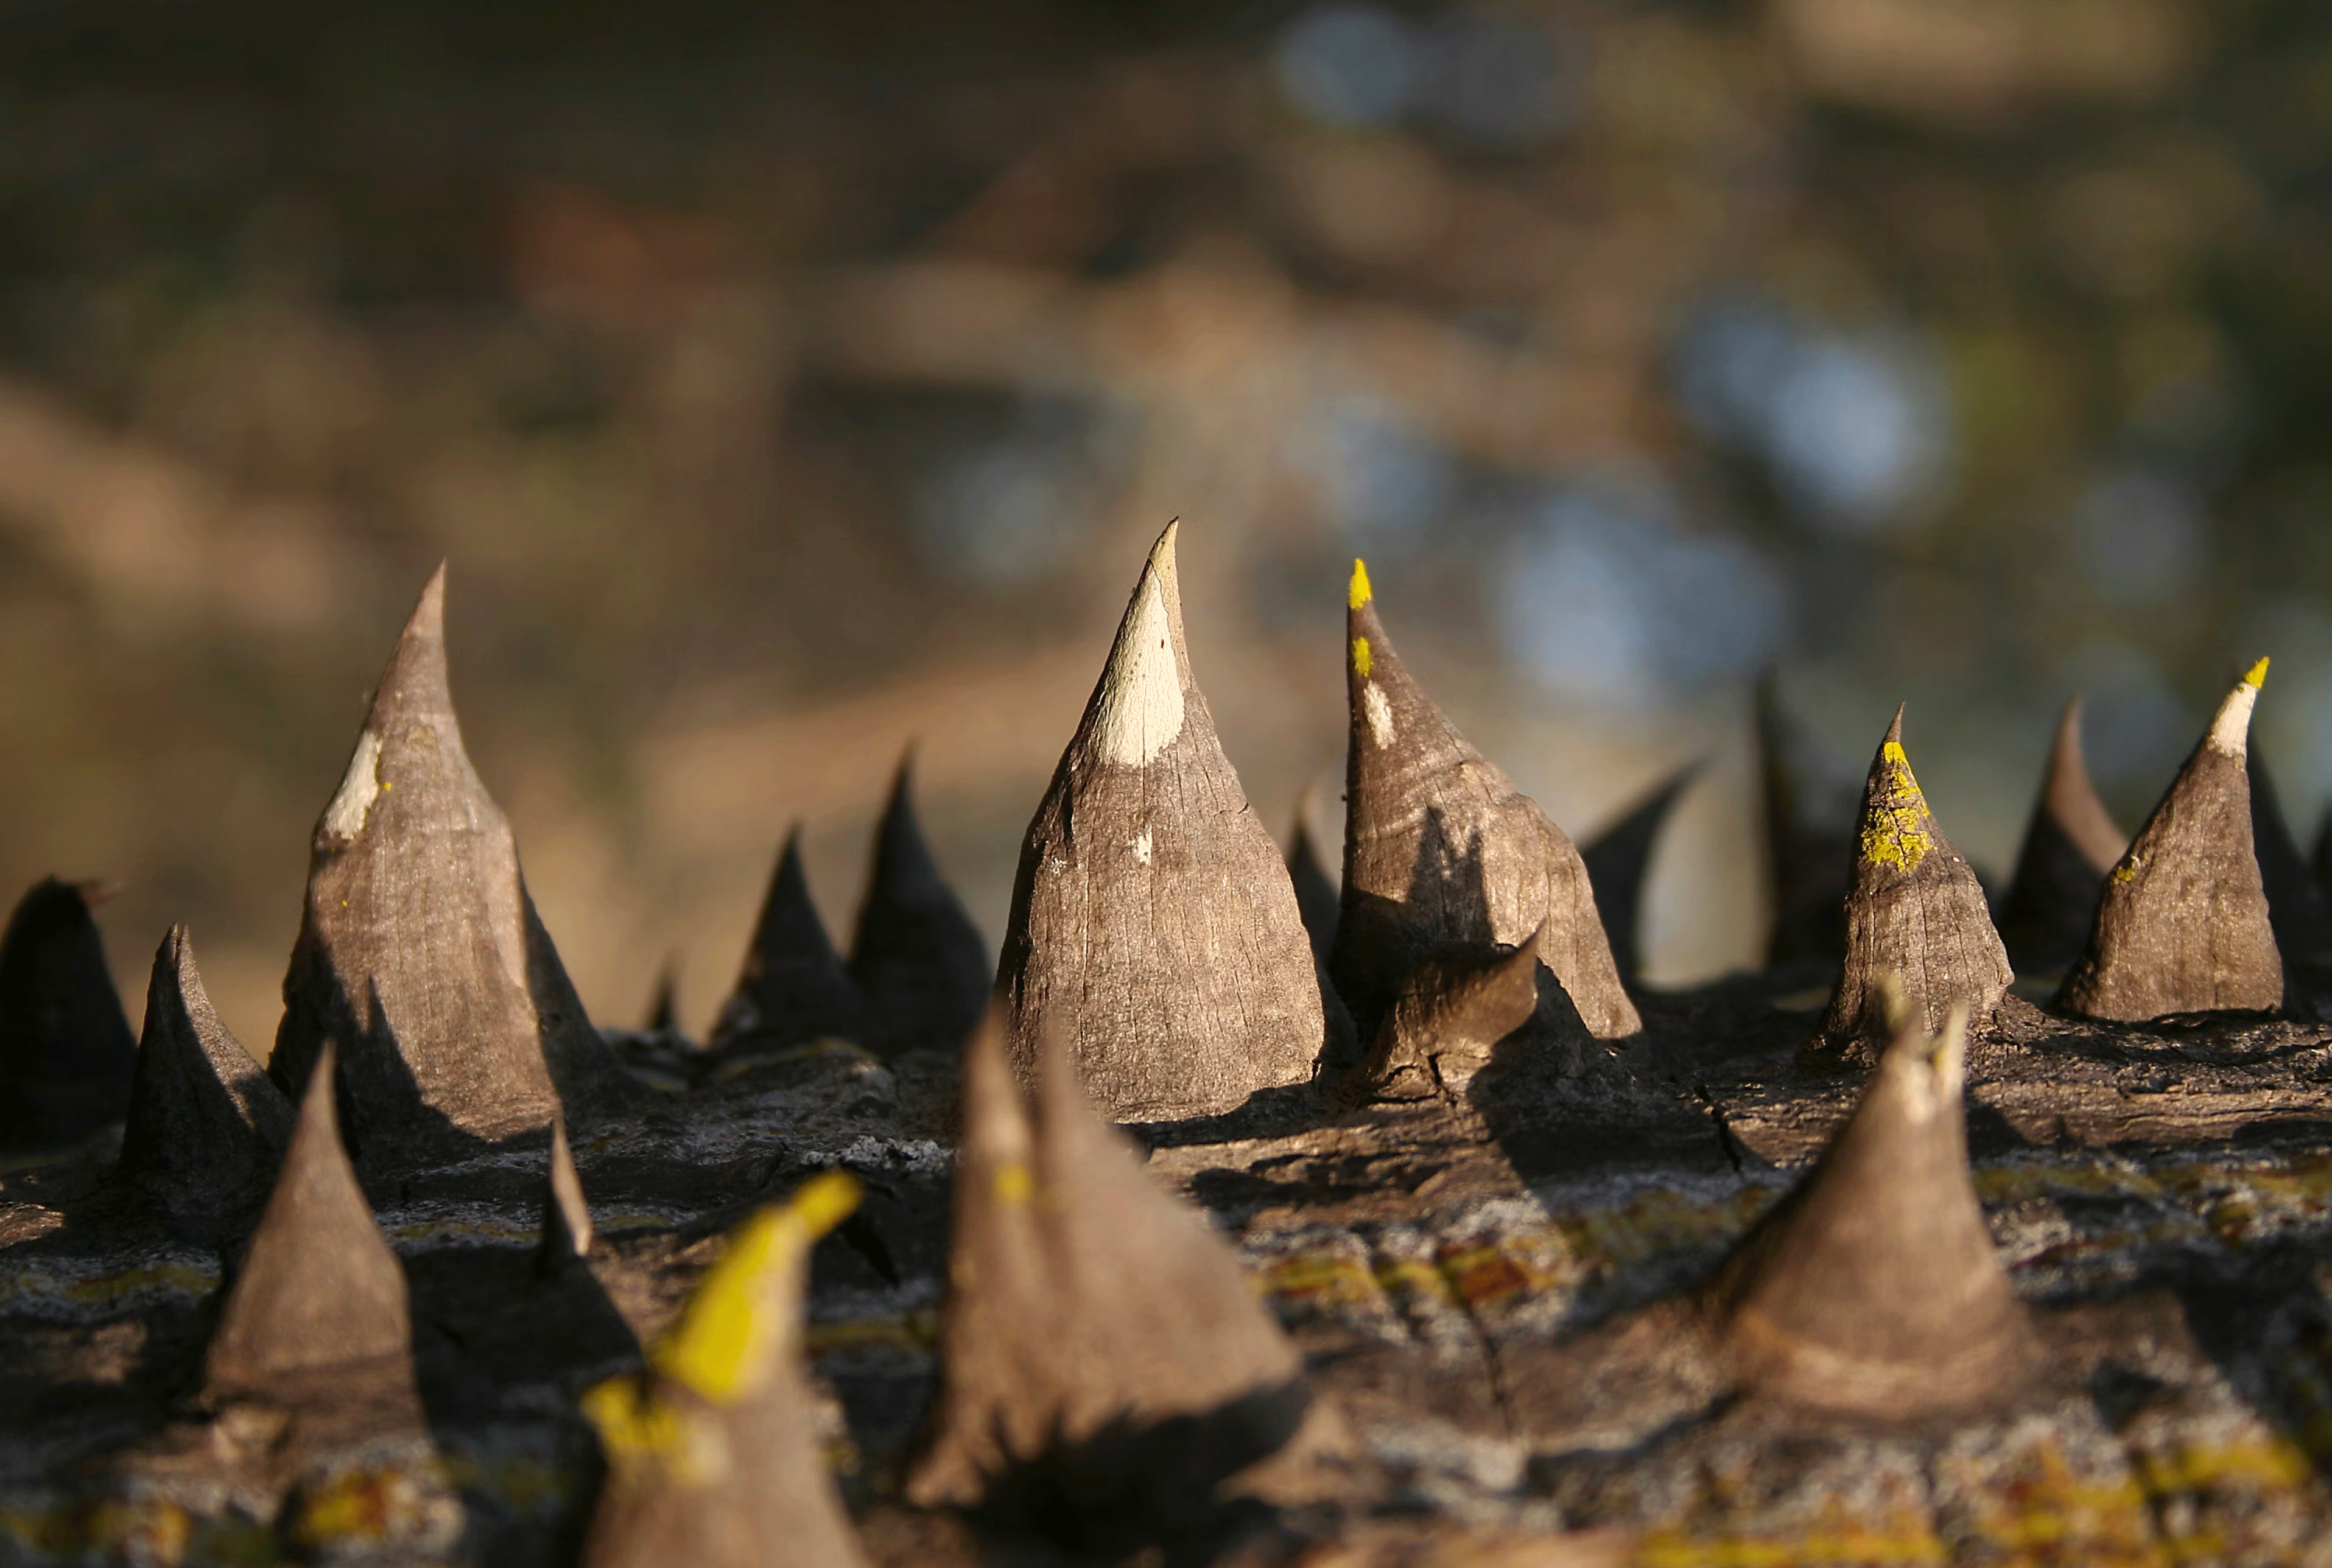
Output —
(208, 1127)
(1808, 838)
(1100, 1340)
(919, 963)
(1442, 850)
(1317, 897)
(66, 1052)
(1618, 860)
(2296, 906)
(1152, 919)
(317, 1311)
(419, 950)
(2183, 925)
(792, 987)
(1450, 1015)
(2070, 843)
(1915, 910)
(1874, 1289)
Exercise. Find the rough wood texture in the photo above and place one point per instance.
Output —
(419, 950)
(1914, 915)
(1874, 1289)
(1441, 849)
(2070, 843)
(2184, 924)
(207, 1126)
(1152, 919)
(318, 1306)
(1102, 1351)
(1520, 1299)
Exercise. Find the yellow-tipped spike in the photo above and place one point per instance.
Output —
(719, 1347)
(2256, 675)
(1360, 594)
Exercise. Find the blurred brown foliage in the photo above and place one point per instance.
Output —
(786, 384)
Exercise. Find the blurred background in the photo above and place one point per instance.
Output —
(787, 383)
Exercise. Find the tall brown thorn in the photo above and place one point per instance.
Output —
(1094, 1325)
(921, 966)
(2182, 924)
(2070, 843)
(419, 949)
(1153, 922)
(1441, 849)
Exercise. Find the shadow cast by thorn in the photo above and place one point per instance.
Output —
(1132, 1483)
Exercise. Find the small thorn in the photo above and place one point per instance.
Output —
(66, 1053)
(792, 987)
(566, 1217)
(208, 1127)
(2182, 922)
(1092, 1316)
(1914, 909)
(1874, 1287)
(318, 1309)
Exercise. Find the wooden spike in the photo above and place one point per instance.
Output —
(792, 987)
(1441, 849)
(317, 1309)
(1808, 838)
(1617, 862)
(922, 965)
(66, 1052)
(1097, 1334)
(419, 949)
(2070, 843)
(1915, 910)
(1152, 919)
(2183, 925)
(713, 1456)
(1874, 1289)
(566, 1217)
(208, 1127)
(1452, 1014)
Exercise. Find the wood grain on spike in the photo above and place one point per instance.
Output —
(2182, 924)
(1441, 849)
(1153, 923)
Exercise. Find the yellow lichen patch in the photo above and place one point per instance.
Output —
(1894, 825)
(1486, 1273)
(2256, 675)
(1014, 1184)
(1321, 1279)
(1360, 594)
(1363, 662)
(370, 1503)
(633, 1426)
(1910, 1542)
(724, 1345)
(2126, 871)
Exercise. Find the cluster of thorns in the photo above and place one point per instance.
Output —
(1163, 962)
